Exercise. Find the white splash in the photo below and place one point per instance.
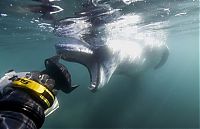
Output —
(180, 14)
(133, 42)
(130, 1)
(77, 27)
(45, 27)
(59, 9)
(3, 15)
(104, 3)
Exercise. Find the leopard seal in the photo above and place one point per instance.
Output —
(107, 42)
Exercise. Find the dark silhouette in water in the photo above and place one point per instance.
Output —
(45, 8)
(47, 11)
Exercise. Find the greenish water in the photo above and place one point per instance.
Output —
(164, 98)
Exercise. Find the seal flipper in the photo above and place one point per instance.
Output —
(163, 58)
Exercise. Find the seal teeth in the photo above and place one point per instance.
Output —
(93, 87)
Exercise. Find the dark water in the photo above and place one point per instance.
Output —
(164, 98)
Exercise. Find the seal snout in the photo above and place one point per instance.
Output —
(70, 47)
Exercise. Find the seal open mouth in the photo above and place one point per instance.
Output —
(75, 50)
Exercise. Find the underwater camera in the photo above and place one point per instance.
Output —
(55, 70)
(59, 73)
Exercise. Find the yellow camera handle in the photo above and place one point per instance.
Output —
(40, 91)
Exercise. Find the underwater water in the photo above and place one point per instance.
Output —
(167, 97)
